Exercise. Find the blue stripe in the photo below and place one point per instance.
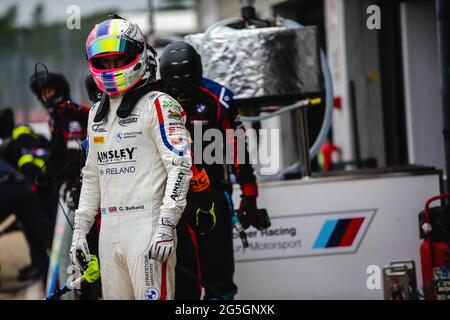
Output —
(325, 234)
(54, 281)
(102, 28)
(110, 89)
(108, 77)
(85, 147)
(229, 203)
(166, 143)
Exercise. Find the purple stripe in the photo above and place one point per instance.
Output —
(103, 28)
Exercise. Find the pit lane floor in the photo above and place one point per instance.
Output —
(14, 254)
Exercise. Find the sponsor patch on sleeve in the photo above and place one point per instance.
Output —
(176, 130)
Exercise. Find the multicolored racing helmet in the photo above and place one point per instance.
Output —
(118, 36)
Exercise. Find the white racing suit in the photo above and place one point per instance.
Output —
(137, 170)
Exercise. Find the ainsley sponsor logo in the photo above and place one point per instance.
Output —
(178, 187)
(114, 156)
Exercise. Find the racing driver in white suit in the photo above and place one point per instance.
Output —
(137, 170)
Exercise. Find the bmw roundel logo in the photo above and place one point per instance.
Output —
(152, 294)
(201, 108)
(119, 136)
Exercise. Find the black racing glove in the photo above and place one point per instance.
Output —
(72, 195)
(248, 213)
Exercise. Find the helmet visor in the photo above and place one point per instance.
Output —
(108, 44)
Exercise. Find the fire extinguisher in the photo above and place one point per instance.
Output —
(435, 231)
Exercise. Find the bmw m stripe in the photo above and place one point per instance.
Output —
(338, 233)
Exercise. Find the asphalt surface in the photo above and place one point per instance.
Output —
(14, 254)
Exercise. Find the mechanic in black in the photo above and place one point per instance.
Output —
(205, 245)
(17, 196)
(28, 152)
(67, 122)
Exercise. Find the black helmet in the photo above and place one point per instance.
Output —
(180, 66)
(42, 80)
(7, 122)
(94, 93)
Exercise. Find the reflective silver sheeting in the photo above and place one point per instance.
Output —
(264, 62)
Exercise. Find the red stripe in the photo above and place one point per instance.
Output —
(158, 111)
(215, 98)
(85, 109)
(352, 231)
(65, 136)
(236, 160)
(164, 281)
(98, 222)
(195, 243)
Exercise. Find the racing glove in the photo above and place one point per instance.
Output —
(79, 243)
(250, 215)
(248, 212)
(162, 244)
(92, 272)
(72, 196)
